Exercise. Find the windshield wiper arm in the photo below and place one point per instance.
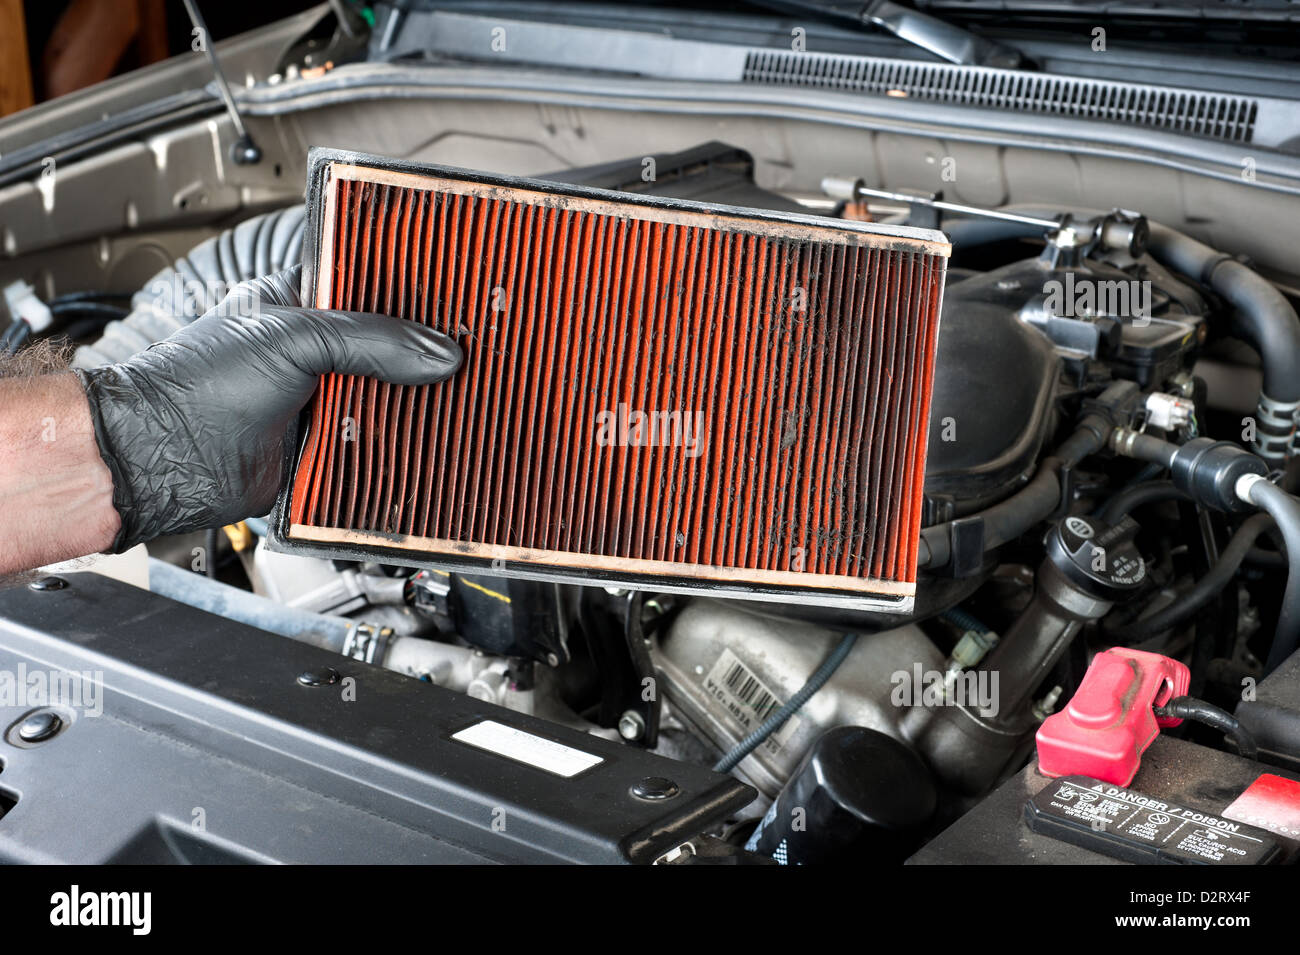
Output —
(943, 39)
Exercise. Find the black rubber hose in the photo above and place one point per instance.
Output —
(1264, 316)
(1190, 708)
(1284, 508)
(15, 337)
(1036, 501)
(774, 722)
(1266, 558)
(107, 310)
(90, 295)
(1203, 591)
(1147, 447)
(1127, 500)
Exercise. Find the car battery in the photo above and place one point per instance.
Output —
(1187, 804)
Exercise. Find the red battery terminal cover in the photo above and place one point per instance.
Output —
(1110, 721)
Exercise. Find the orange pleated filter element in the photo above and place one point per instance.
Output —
(656, 393)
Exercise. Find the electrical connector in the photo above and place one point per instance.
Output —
(1169, 412)
(25, 306)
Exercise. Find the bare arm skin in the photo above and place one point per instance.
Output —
(190, 433)
(56, 494)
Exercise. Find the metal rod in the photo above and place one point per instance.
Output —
(957, 207)
(245, 150)
(344, 18)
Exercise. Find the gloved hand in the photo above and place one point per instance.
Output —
(193, 428)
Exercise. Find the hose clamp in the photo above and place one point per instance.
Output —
(1282, 413)
(1275, 430)
(1245, 484)
(367, 642)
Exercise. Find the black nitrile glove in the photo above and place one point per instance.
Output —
(193, 428)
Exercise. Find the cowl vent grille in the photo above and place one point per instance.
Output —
(1212, 115)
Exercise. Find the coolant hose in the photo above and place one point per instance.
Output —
(1264, 318)
(774, 722)
(1200, 593)
(1285, 509)
(204, 593)
(178, 295)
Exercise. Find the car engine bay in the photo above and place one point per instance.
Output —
(1106, 601)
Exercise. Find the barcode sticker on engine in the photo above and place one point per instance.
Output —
(747, 699)
(526, 748)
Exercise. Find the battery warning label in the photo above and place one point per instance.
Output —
(1271, 802)
(1129, 825)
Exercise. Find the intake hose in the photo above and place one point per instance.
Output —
(176, 296)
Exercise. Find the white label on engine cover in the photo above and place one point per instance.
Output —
(747, 699)
(526, 748)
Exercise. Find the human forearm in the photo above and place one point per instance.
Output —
(56, 495)
(190, 433)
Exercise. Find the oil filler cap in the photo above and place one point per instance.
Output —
(1098, 558)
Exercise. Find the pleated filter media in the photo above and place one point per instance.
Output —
(656, 393)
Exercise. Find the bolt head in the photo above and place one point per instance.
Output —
(48, 583)
(245, 152)
(325, 676)
(656, 787)
(40, 726)
(631, 725)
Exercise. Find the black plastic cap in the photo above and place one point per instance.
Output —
(1098, 558)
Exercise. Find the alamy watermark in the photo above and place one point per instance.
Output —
(24, 688)
(626, 427)
(191, 298)
(1128, 299)
(972, 689)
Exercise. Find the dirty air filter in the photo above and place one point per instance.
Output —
(656, 393)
